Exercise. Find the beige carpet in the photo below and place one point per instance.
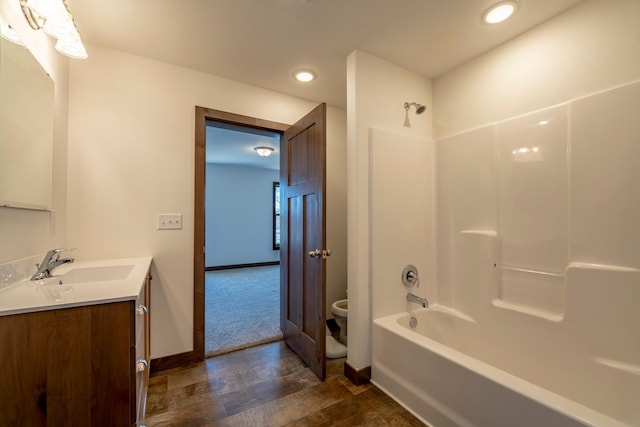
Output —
(242, 308)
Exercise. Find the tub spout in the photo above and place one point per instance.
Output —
(418, 300)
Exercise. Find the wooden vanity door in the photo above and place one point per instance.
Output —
(66, 364)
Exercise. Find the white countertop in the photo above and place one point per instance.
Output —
(83, 283)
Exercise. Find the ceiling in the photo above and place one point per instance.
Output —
(262, 42)
(229, 144)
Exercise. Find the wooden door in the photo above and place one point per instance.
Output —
(302, 241)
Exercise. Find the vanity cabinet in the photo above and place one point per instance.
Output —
(77, 366)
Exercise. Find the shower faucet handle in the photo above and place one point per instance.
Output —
(410, 276)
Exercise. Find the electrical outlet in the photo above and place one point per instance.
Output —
(169, 221)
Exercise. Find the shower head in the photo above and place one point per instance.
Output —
(419, 110)
(419, 107)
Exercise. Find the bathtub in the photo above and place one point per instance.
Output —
(448, 372)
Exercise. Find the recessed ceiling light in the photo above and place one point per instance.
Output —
(304, 76)
(499, 12)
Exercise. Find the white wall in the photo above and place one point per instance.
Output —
(131, 156)
(376, 92)
(26, 233)
(239, 215)
(591, 47)
(336, 204)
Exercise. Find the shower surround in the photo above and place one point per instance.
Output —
(537, 268)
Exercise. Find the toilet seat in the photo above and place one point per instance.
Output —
(340, 308)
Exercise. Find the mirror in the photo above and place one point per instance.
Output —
(26, 130)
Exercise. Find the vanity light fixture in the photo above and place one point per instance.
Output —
(304, 76)
(264, 151)
(54, 18)
(499, 12)
(10, 34)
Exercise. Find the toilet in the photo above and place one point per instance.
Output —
(339, 310)
(334, 348)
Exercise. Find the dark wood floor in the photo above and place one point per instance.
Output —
(267, 386)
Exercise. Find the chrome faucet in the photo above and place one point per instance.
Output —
(51, 260)
(418, 300)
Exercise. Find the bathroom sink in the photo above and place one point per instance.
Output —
(77, 284)
(74, 284)
(95, 274)
(91, 274)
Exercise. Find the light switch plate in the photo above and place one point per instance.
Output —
(169, 221)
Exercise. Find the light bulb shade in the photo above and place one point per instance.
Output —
(48, 8)
(54, 17)
(73, 49)
(264, 151)
(9, 33)
(61, 29)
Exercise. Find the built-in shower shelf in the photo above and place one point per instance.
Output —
(480, 232)
(531, 311)
(630, 368)
(530, 271)
(603, 267)
(540, 290)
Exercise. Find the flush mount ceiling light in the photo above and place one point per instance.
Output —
(499, 12)
(264, 151)
(304, 76)
(54, 18)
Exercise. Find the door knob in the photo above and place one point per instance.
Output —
(324, 253)
(141, 365)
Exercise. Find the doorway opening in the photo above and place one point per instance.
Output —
(303, 250)
(250, 125)
(242, 256)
